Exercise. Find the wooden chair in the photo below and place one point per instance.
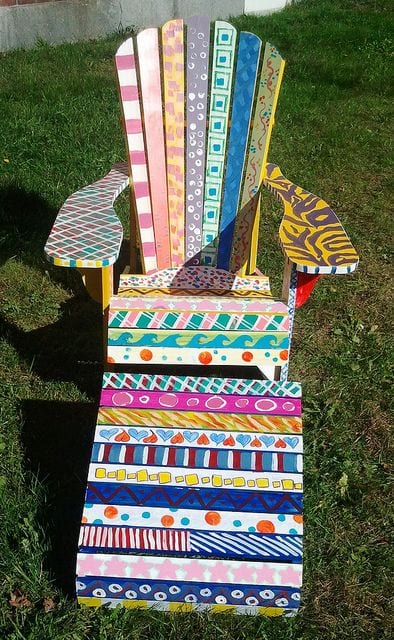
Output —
(194, 489)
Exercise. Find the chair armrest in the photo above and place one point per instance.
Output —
(87, 231)
(310, 233)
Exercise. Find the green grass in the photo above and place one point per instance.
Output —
(59, 130)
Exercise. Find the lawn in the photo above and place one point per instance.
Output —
(59, 130)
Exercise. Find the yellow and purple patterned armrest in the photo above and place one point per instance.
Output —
(87, 231)
(310, 234)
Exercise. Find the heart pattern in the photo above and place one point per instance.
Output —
(137, 434)
(165, 434)
(108, 433)
(292, 442)
(194, 436)
(151, 439)
(190, 436)
(243, 439)
(267, 440)
(178, 439)
(218, 438)
(123, 436)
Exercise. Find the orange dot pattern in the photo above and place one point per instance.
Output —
(205, 357)
(110, 512)
(265, 526)
(213, 518)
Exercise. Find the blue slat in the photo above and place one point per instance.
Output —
(245, 80)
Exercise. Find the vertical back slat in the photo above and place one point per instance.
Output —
(174, 104)
(221, 83)
(247, 222)
(149, 70)
(128, 87)
(197, 64)
(249, 47)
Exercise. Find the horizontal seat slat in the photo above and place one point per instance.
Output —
(154, 382)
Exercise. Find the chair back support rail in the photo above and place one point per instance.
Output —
(195, 178)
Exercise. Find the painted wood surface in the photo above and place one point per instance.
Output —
(190, 510)
(174, 117)
(181, 542)
(150, 80)
(244, 87)
(310, 233)
(238, 386)
(220, 303)
(146, 319)
(204, 420)
(188, 607)
(87, 232)
(130, 98)
(263, 118)
(197, 277)
(221, 86)
(197, 71)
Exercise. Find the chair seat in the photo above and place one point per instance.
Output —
(197, 315)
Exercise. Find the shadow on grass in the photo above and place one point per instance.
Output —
(69, 350)
(57, 438)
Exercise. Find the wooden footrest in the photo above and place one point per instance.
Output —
(194, 496)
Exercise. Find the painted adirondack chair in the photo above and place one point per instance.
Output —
(194, 492)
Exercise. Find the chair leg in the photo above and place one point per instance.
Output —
(99, 285)
(289, 295)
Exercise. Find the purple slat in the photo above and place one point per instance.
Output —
(197, 45)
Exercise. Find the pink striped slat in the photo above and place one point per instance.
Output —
(174, 98)
(134, 538)
(185, 319)
(125, 65)
(200, 402)
(149, 68)
(196, 114)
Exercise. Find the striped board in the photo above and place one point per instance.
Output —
(184, 512)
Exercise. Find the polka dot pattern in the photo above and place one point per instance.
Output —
(196, 110)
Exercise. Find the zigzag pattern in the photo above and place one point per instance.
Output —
(177, 497)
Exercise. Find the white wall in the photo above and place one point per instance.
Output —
(72, 20)
(264, 6)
